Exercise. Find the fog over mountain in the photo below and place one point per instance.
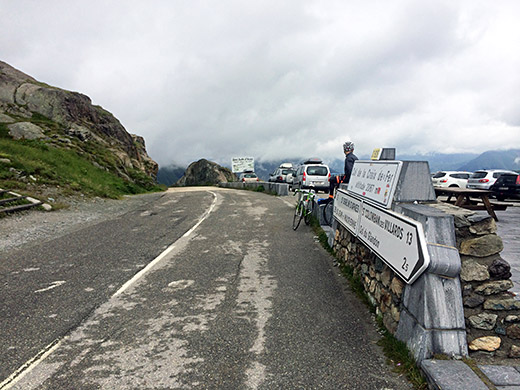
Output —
(508, 159)
(282, 80)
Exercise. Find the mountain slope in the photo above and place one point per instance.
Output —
(38, 121)
(493, 159)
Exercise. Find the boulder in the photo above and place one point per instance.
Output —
(25, 130)
(502, 304)
(204, 172)
(483, 226)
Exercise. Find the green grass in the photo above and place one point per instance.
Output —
(4, 132)
(67, 168)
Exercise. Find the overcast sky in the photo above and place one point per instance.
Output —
(278, 79)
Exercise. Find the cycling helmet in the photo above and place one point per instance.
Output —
(348, 146)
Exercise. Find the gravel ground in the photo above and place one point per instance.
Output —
(26, 227)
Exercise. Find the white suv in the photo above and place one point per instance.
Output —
(451, 179)
(484, 179)
(312, 174)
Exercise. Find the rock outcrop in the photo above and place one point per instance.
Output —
(204, 172)
(34, 110)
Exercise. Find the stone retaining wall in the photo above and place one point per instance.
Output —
(491, 312)
(383, 287)
(492, 315)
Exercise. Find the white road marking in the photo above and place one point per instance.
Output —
(28, 366)
(53, 285)
(152, 264)
(32, 363)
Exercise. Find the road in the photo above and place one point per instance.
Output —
(197, 289)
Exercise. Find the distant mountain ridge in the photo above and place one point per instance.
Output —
(492, 159)
(170, 174)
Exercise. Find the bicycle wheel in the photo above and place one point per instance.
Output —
(308, 211)
(298, 215)
(327, 213)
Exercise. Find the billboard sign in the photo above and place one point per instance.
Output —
(242, 164)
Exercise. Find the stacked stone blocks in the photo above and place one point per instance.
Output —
(382, 286)
(491, 313)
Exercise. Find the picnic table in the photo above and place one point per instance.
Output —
(465, 198)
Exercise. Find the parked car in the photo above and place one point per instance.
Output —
(451, 179)
(289, 178)
(280, 175)
(312, 173)
(485, 178)
(248, 177)
(507, 186)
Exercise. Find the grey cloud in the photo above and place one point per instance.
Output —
(281, 79)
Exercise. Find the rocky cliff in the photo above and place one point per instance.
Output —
(204, 172)
(33, 110)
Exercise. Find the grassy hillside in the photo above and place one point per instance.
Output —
(45, 169)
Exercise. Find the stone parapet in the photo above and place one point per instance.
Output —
(428, 315)
(491, 312)
(461, 305)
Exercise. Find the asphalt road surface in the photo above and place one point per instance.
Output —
(195, 289)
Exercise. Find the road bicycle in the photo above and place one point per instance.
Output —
(328, 216)
(304, 207)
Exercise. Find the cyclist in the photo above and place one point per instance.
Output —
(350, 157)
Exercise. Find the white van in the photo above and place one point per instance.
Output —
(312, 174)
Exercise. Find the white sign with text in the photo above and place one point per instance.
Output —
(399, 241)
(347, 211)
(242, 164)
(375, 180)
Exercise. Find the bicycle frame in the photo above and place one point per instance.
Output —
(304, 207)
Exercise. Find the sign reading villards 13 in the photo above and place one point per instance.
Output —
(397, 240)
(363, 210)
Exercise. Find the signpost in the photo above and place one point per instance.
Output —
(346, 211)
(375, 180)
(242, 164)
(397, 240)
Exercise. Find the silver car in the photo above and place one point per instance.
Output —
(312, 174)
(280, 175)
(484, 179)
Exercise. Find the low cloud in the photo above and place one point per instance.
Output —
(282, 81)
